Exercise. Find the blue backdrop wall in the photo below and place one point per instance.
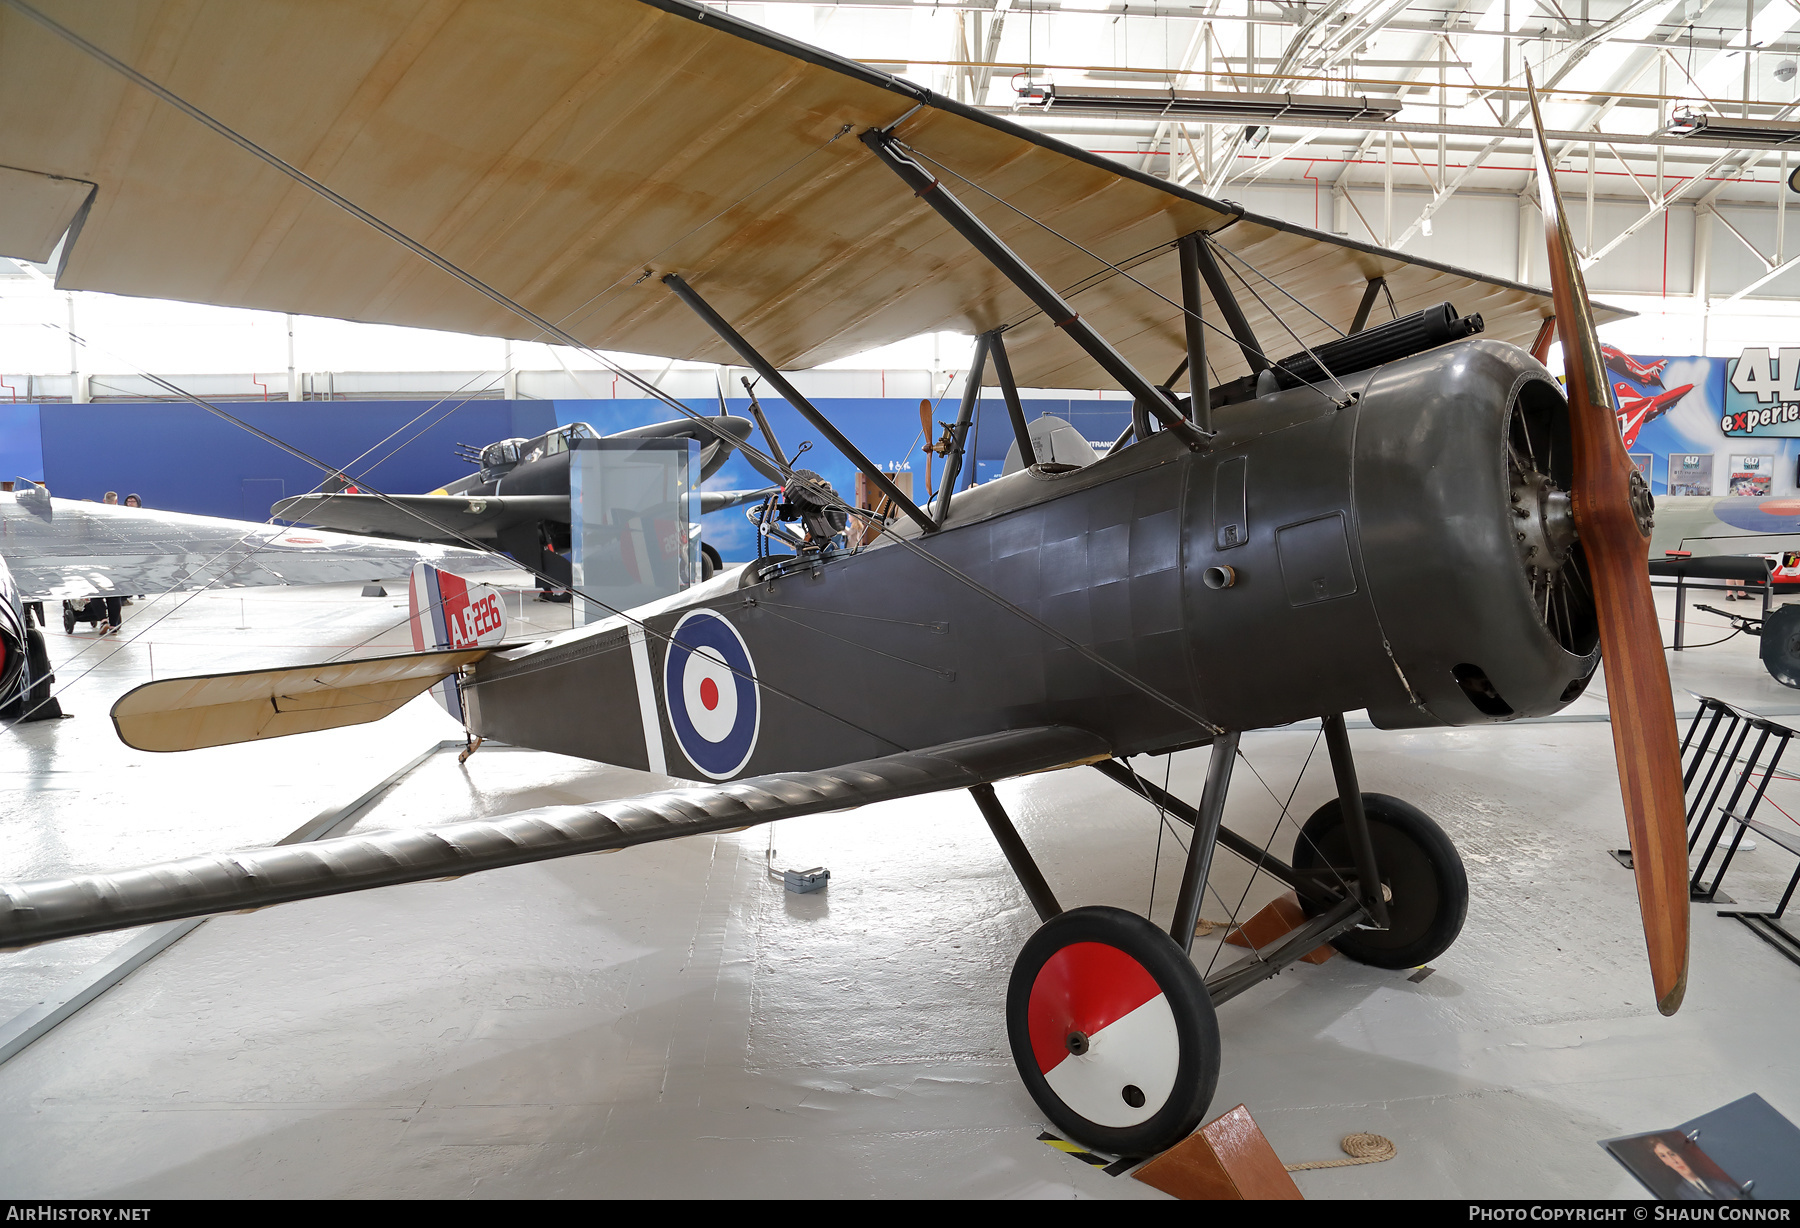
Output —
(181, 457)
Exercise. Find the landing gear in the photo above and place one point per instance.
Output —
(1112, 1031)
(34, 703)
(1425, 888)
(1113, 1028)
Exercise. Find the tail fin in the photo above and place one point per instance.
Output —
(446, 611)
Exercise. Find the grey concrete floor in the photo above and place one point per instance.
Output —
(666, 1021)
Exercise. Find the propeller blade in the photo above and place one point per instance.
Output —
(1611, 505)
(925, 431)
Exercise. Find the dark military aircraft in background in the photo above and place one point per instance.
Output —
(1405, 517)
(518, 501)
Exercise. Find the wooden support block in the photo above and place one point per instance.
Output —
(870, 499)
(1229, 1157)
(1281, 917)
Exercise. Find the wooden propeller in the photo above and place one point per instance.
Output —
(1611, 505)
(925, 431)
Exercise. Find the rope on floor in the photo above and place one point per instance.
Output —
(1361, 1148)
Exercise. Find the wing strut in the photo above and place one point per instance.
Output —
(763, 367)
(1199, 380)
(971, 394)
(1039, 291)
(1235, 318)
(1009, 389)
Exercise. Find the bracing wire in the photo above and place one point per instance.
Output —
(557, 332)
(1125, 273)
(1276, 316)
(309, 459)
(1273, 829)
(1168, 824)
(1287, 294)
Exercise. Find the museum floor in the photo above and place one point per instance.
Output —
(667, 1022)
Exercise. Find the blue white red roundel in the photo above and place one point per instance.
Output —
(711, 696)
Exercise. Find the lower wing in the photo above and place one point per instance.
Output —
(444, 519)
(198, 886)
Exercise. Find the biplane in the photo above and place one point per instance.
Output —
(1317, 510)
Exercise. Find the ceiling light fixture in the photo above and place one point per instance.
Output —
(1762, 131)
(1084, 100)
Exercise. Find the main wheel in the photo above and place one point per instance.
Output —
(68, 620)
(1113, 1031)
(1428, 892)
(34, 702)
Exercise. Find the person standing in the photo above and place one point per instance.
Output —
(132, 500)
(112, 497)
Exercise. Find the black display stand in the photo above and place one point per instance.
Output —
(1727, 746)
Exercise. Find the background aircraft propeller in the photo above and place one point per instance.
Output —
(930, 448)
(1612, 508)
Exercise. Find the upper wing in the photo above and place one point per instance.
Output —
(445, 519)
(69, 548)
(569, 152)
(93, 903)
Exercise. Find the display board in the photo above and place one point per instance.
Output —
(1713, 426)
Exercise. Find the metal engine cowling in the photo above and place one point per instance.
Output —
(1412, 553)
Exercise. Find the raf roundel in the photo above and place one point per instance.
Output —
(709, 687)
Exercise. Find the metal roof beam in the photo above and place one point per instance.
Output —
(1572, 32)
(1487, 131)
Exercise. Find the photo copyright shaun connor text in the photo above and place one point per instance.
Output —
(1724, 1212)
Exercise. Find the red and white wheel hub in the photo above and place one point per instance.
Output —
(1103, 1034)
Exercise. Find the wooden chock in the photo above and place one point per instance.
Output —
(1227, 1158)
(1282, 916)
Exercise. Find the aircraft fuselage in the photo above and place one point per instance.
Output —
(1314, 560)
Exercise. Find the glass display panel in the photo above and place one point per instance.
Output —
(632, 536)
